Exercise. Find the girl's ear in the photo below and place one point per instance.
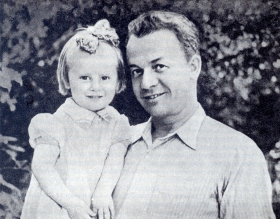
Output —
(120, 87)
(67, 88)
(67, 85)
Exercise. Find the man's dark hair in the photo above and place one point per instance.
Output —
(181, 26)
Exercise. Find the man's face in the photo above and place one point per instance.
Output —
(164, 82)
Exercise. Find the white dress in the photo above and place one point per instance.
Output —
(83, 139)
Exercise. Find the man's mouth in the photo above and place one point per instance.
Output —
(150, 97)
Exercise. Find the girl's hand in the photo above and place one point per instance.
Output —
(79, 210)
(103, 205)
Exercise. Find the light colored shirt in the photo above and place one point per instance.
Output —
(203, 170)
(83, 139)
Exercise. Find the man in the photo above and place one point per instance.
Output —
(182, 163)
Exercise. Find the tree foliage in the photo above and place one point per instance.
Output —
(239, 84)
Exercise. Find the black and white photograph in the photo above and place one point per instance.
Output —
(147, 109)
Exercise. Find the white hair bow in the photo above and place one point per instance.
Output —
(100, 31)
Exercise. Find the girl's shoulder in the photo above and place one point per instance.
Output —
(121, 131)
(47, 126)
(45, 120)
(112, 112)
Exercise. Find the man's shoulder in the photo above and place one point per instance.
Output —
(213, 123)
(219, 129)
(224, 137)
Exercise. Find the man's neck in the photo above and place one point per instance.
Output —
(164, 126)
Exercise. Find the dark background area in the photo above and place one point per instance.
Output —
(239, 83)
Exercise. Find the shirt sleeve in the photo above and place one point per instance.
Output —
(121, 132)
(44, 129)
(248, 189)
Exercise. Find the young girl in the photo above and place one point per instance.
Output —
(79, 150)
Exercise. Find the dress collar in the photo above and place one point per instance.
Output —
(80, 114)
(187, 132)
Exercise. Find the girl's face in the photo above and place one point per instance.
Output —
(93, 78)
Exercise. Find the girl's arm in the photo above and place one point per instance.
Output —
(102, 197)
(43, 168)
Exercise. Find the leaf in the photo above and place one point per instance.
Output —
(5, 82)
(274, 154)
(9, 185)
(6, 139)
(11, 75)
(13, 155)
(12, 202)
(16, 148)
(5, 98)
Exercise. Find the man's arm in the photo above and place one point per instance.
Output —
(249, 191)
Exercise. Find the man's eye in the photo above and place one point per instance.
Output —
(104, 78)
(85, 78)
(136, 72)
(159, 67)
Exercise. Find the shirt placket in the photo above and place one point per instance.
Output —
(146, 174)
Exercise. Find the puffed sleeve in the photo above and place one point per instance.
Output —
(45, 129)
(121, 132)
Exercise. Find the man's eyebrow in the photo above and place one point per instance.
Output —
(152, 62)
(133, 66)
(155, 60)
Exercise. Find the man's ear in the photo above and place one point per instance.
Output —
(195, 63)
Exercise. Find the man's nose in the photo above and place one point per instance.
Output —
(149, 79)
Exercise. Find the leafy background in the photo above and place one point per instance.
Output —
(239, 84)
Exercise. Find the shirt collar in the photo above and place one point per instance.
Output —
(187, 132)
(80, 114)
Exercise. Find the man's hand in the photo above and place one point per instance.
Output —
(103, 205)
(79, 210)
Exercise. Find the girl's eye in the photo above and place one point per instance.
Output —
(104, 78)
(159, 67)
(136, 72)
(85, 78)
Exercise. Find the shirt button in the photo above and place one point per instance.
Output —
(147, 154)
(108, 117)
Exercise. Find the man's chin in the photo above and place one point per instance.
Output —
(155, 111)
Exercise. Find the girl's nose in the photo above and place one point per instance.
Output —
(95, 84)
